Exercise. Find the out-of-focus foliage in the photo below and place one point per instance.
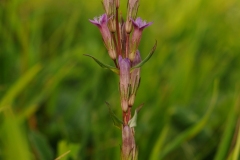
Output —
(52, 98)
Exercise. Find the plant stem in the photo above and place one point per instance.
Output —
(118, 33)
(127, 44)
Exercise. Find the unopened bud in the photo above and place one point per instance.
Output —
(109, 7)
(112, 24)
(134, 79)
(124, 66)
(128, 26)
(131, 14)
(117, 3)
(131, 100)
(112, 52)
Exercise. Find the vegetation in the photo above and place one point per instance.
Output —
(52, 98)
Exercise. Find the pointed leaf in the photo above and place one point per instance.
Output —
(133, 122)
(146, 59)
(116, 121)
(105, 66)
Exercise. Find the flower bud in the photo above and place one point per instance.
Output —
(139, 25)
(134, 79)
(117, 3)
(112, 24)
(124, 66)
(128, 26)
(131, 14)
(112, 53)
(109, 7)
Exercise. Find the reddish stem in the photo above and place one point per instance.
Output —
(127, 116)
(127, 45)
(118, 33)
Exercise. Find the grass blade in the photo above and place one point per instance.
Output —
(227, 135)
(18, 87)
(194, 130)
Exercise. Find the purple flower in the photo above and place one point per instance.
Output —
(124, 66)
(101, 22)
(134, 79)
(139, 25)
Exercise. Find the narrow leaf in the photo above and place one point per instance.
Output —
(236, 152)
(116, 121)
(105, 66)
(18, 86)
(226, 138)
(63, 155)
(146, 59)
(160, 142)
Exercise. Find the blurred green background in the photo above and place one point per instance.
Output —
(52, 98)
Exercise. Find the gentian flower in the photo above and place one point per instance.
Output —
(101, 22)
(134, 79)
(138, 25)
(124, 66)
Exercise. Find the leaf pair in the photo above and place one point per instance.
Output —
(116, 70)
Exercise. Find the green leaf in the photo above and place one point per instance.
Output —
(105, 66)
(236, 151)
(146, 59)
(67, 150)
(63, 150)
(13, 138)
(225, 144)
(18, 86)
(40, 145)
(116, 121)
(160, 142)
(133, 122)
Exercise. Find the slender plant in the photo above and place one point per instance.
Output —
(122, 39)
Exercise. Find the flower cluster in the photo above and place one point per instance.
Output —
(122, 41)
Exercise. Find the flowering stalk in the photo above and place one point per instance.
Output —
(122, 40)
